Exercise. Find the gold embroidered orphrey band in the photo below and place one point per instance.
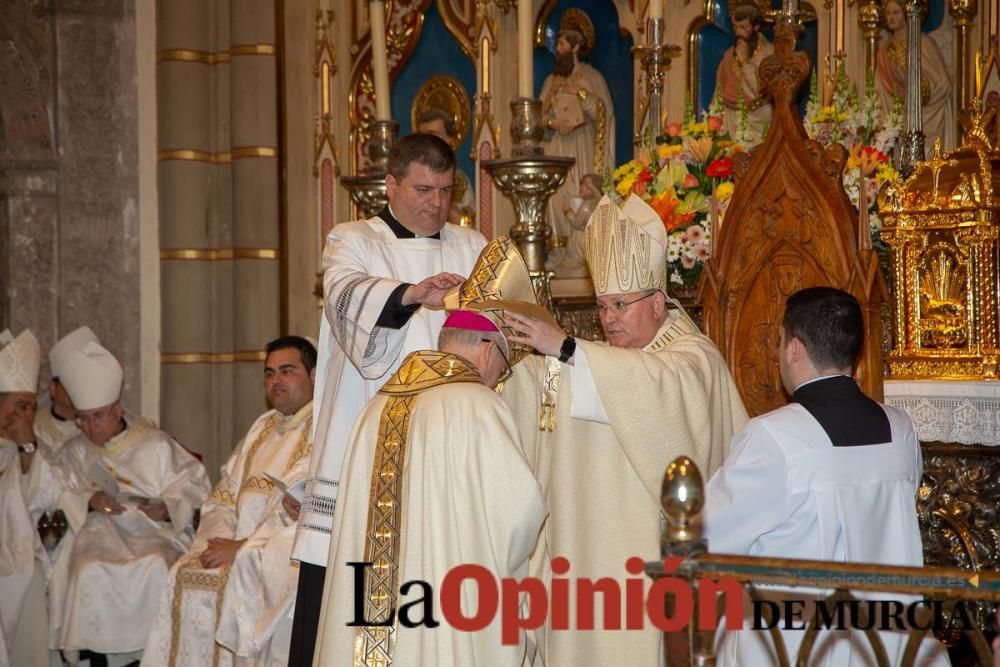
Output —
(373, 645)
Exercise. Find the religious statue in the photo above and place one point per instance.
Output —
(736, 78)
(935, 81)
(463, 199)
(578, 116)
(570, 259)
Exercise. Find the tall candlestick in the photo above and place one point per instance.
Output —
(380, 64)
(484, 59)
(841, 20)
(656, 9)
(524, 82)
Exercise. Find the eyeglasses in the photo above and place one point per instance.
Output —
(619, 307)
(510, 369)
(94, 417)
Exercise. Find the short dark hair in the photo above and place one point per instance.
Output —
(426, 149)
(307, 353)
(829, 323)
(431, 115)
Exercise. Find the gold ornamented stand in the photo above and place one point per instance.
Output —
(368, 190)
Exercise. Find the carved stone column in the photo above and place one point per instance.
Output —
(913, 137)
(963, 12)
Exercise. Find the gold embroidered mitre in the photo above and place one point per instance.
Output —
(499, 282)
(626, 248)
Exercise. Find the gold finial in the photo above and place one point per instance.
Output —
(682, 496)
(937, 163)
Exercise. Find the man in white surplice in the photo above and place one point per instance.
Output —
(833, 476)
(230, 594)
(28, 488)
(443, 444)
(613, 416)
(55, 423)
(383, 279)
(106, 594)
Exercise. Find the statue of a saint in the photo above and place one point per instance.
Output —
(463, 199)
(736, 79)
(578, 116)
(935, 81)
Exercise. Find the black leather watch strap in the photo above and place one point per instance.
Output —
(568, 349)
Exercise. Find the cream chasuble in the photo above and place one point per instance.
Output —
(242, 599)
(363, 263)
(620, 417)
(435, 477)
(51, 432)
(106, 589)
(23, 559)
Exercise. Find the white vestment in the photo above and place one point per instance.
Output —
(785, 491)
(244, 602)
(106, 590)
(621, 416)
(51, 432)
(466, 496)
(24, 563)
(363, 263)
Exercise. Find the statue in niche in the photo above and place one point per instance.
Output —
(578, 116)
(736, 79)
(935, 81)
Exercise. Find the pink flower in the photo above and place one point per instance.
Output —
(701, 252)
(690, 181)
(714, 123)
(687, 262)
(673, 129)
(695, 233)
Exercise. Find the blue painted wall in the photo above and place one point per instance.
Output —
(612, 57)
(716, 37)
(437, 52)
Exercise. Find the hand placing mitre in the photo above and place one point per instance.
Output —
(545, 337)
(431, 291)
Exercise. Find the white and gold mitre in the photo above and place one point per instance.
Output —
(626, 247)
(20, 361)
(500, 282)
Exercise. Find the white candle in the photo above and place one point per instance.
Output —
(841, 19)
(655, 9)
(524, 83)
(380, 64)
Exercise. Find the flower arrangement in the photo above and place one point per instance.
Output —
(686, 177)
(869, 135)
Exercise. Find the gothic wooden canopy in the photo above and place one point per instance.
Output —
(790, 225)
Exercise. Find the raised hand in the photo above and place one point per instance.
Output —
(431, 291)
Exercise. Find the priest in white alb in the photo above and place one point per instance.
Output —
(228, 598)
(132, 494)
(384, 280)
(28, 488)
(55, 423)
(601, 422)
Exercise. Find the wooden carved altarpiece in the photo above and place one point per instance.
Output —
(790, 225)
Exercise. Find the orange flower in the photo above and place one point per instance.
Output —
(665, 206)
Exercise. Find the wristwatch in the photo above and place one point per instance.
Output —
(26, 448)
(568, 349)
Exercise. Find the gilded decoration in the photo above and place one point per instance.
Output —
(445, 93)
(939, 225)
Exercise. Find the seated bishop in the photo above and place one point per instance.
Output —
(434, 477)
(229, 596)
(55, 423)
(132, 492)
(29, 488)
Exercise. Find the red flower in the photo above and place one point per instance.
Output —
(720, 168)
(714, 123)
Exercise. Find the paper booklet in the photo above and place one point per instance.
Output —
(296, 490)
(100, 476)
